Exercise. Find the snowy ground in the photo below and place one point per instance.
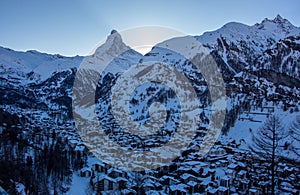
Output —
(79, 185)
(244, 127)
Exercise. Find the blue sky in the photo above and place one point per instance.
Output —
(76, 27)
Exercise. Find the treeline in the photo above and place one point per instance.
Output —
(38, 158)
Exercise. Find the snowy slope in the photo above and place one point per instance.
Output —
(19, 64)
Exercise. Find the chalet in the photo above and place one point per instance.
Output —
(85, 172)
(193, 187)
(99, 167)
(186, 177)
(168, 180)
(153, 192)
(103, 183)
(179, 189)
(114, 173)
(223, 190)
(148, 184)
(239, 154)
(80, 149)
(211, 191)
(223, 163)
(254, 191)
(205, 173)
(242, 165)
(128, 192)
(212, 172)
(122, 182)
(204, 185)
(197, 171)
(195, 168)
(264, 185)
(244, 185)
(230, 172)
(242, 174)
(217, 151)
(233, 166)
(226, 181)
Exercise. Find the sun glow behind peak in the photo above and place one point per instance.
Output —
(143, 38)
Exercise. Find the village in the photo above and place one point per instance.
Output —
(225, 169)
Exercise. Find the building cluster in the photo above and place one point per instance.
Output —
(224, 170)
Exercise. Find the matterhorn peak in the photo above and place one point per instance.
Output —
(113, 31)
(113, 44)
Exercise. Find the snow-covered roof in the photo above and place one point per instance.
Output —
(102, 176)
(232, 166)
(222, 188)
(225, 177)
(85, 169)
(186, 176)
(192, 183)
(178, 187)
(80, 148)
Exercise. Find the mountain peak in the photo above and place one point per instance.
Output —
(278, 18)
(113, 42)
(113, 31)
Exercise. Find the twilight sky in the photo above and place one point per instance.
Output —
(77, 26)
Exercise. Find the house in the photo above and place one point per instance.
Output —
(232, 166)
(195, 168)
(103, 183)
(153, 192)
(222, 163)
(178, 189)
(80, 149)
(244, 185)
(217, 151)
(193, 187)
(148, 184)
(242, 174)
(99, 167)
(254, 191)
(85, 172)
(226, 181)
(122, 183)
(204, 185)
(128, 192)
(168, 180)
(264, 185)
(223, 190)
(186, 177)
(230, 172)
(114, 173)
(211, 191)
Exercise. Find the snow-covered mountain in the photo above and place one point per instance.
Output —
(33, 65)
(260, 66)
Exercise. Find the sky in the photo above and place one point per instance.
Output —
(75, 27)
